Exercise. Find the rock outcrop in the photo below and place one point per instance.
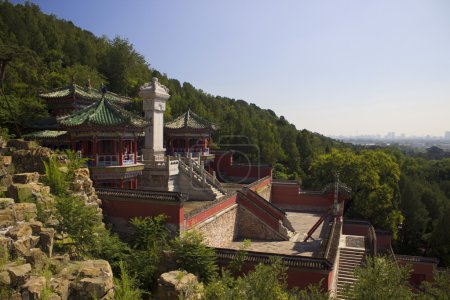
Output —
(179, 284)
(31, 269)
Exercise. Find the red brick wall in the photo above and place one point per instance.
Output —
(285, 193)
(355, 229)
(302, 278)
(210, 212)
(288, 194)
(260, 213)
(383, 240)
(264, 205)
(130, 209)
(420, 271)
(297, 277)
(261, 184)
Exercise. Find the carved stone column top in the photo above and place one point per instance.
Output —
(154, 89)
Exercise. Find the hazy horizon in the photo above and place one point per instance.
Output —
(333, 67)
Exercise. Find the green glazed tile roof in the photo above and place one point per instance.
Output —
(103, 113)
(83, 93)
(190, 120)
(45, 134)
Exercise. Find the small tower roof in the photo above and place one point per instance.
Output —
(103, 113)
(190, 120)
(86, 93)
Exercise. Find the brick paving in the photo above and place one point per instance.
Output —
(302, 222)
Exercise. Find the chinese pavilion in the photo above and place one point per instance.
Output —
(189, 133)
(108, 135)
(65, 100)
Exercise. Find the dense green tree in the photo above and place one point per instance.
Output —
(127, 287)
(381, 278)
(266, 281)
(80, 222)
(437, 290)
(373, 176)
(148, 242)
(194, 256)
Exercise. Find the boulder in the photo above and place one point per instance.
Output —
(24, 178)
(20, 231)
(6, 202)
(37, 258)
(61, 287)
(19, 274)
(19, 144)
(32, 159)
(36, 227)
(21, 248)
(6, 217)
(4, 278)
(5, 244)
(15, 296)
(25, 211)
(96, 280)
(33, 288)
(22, 192)
(173, 284)
(59, 262)
(46, 240)
(7, 160)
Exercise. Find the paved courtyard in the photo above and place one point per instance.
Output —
(301, 222)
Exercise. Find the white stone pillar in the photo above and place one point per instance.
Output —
(154, 97)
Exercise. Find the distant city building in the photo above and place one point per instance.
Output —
(447, 135)
(390, 135)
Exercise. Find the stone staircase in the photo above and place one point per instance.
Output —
(200, 179)
(349, 259)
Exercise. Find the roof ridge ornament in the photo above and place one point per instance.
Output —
(103, 89)
(88, 83)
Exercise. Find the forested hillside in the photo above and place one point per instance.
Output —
(409, 196)
(39, 52)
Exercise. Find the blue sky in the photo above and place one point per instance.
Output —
(334, 67)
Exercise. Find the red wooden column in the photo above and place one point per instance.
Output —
(84, 147)
(135, 183)
(135, 150)
(120, 155)
(94, 150)
(186, 145)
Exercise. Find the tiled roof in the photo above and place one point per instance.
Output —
(85, 93)
(190, 120)
(45, 134)
(103, 113)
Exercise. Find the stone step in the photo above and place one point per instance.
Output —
(352, 251)
(352, 255)
(350, 258)
(346, 277)
(348, 265)
(346, 272)
(349, 261)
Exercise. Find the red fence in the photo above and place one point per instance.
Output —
(288, 193)
(208, 211)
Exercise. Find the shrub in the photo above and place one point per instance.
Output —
(80, 221)
(194, 257)
(54, 177)
(126, 288)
